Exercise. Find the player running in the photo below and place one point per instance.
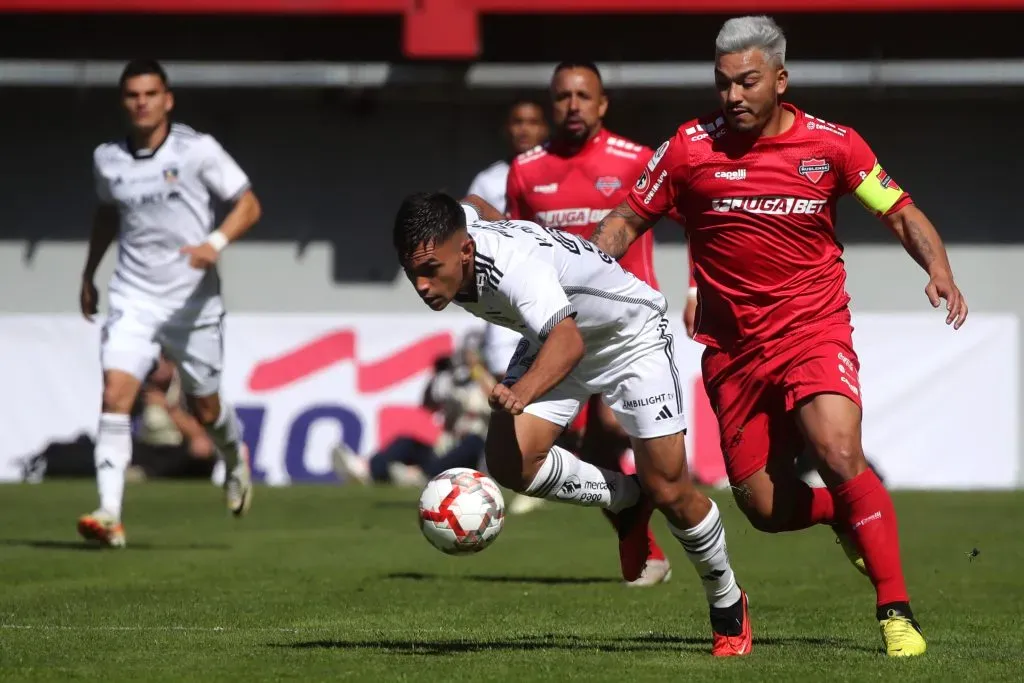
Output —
(588, 328)
(758, 184)
(155, 190)
(571, 183)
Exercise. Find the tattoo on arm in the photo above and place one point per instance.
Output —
(613, 234)
(919, 241)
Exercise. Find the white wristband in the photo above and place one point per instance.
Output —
(693, 292)
(217, 240)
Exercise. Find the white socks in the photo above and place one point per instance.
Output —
(564, 477)
(112, 455)
(705, 546)
(226, 434)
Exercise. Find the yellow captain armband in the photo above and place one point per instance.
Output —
(878, 192)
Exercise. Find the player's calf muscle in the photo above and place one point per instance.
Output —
(514, 452)
(661, 466)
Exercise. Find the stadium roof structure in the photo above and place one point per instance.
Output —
(450, 29)
(497, 76)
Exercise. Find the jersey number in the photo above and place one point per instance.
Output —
(574, 242)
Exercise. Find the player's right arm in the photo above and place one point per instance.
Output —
(652, 197)
(533, 289)
(105, 224)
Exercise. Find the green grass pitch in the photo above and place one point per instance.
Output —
(336, 583)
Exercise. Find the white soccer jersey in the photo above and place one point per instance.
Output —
(490, 184)
(165, 200)
(530, 278)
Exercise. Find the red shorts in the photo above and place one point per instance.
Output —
(753, 391)
(579, 424)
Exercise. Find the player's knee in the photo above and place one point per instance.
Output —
(670, 493)
(842, 455)
(206, 409)
(759, 509)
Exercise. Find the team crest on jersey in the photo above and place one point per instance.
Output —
(813, 169)
(171, 174)
(642, 182)
(608, 185)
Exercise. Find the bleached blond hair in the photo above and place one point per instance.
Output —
(752, 32)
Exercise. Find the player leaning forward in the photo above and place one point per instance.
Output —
(155, 190)
(757, 184)
(588, 328)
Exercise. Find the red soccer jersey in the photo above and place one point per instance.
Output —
(760, 220)
(574, 193)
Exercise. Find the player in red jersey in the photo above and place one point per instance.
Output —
(571, 183)
(758, 184)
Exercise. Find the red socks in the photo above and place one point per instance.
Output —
(867, 513)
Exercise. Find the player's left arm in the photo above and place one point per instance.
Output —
(538, 297)
(878, 193)
(483, 208)
(229, 183)
(922, 242)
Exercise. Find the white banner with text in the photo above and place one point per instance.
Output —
(941, 407)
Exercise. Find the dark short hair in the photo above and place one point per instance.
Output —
(525, 101)
(426, 218)
(142, 67)
(589, 66)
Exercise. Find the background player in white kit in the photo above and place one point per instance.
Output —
(156, 189)
(525, 128)
(588, 327)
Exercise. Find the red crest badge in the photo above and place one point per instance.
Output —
(608, 185)
(813, 169)
(886, 181)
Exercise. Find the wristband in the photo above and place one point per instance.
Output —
(693, 292)
(217, 240)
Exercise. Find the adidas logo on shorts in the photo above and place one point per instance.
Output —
(664, 414)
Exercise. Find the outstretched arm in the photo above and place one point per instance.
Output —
(619, 229)
(922, 242)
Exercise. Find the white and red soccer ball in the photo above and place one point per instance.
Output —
(462, 511)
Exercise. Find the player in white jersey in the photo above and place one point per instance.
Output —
(525, 128)
(156, 191)
(588, 327)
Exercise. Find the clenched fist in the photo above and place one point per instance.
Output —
(503, 398)
(201, 256)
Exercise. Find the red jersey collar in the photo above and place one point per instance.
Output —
(558, 147)
(784, 135)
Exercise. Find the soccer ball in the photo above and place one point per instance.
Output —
(462, 511)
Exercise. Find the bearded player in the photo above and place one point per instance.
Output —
(758, 184)
(571, 183)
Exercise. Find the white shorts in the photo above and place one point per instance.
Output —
(133, 337)
(645, 396)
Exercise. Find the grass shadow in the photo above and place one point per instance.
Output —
(50, 544)
(653, 643)
(501, 578)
